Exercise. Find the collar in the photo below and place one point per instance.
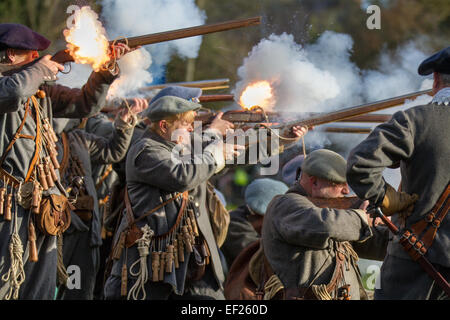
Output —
(149, 133)
(297, 188)
(442, 97)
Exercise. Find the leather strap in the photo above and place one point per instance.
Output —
(420, 237)
(130, 215)
(5, 176)
(66, 154)
(37, 140)
(105, 175)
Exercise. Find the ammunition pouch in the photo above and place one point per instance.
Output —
(197, 263)
(54, 215)
(84, 207)
(218, 215)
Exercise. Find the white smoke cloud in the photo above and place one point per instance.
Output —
(124, 18)
(139, 17)
(321, 77)
(297, 83)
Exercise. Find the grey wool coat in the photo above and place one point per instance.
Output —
(152, 178)
(419, 140)
(16, 87)
(299, 241)
(77, 250)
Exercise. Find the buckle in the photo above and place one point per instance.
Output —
(429, 217)
(436, 223)
(419, 246)
(412, 239)
(406, 234)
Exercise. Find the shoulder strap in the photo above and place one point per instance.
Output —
(37, 140)
(66, 153)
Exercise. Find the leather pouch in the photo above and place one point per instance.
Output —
(54, 215)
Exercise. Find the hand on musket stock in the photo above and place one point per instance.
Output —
(119, 49)
(54, 67)
(300, 131)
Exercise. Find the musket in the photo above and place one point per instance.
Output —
(347, 113)
(352, 114)
(203, 84)
(248, 116)
(63, 56)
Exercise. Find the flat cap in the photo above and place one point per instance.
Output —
(168, 106)
(174, 91)
(260, 192)
(438, 62)
(17, 36)
(326, 164)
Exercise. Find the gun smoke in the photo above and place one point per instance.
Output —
(132, 18)
(321, 77)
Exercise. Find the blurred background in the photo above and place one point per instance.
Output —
(320, 52)
(424, 21)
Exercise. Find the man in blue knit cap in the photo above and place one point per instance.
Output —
(246, 221)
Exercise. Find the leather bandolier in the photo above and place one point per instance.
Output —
(50, 212)
(251, 272)
(168, 249)
(73, 173)
(418, 239)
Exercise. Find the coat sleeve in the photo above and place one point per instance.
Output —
(301, 223)
(375, 247)
(158, 167)
(84, 102)
(387, 145)
(17, 88)
(110, 150)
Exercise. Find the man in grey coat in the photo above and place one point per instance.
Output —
(311, 249)
(82, 240)
(418, 140)
(27, 93)
(155, 176)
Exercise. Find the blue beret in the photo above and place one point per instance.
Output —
(438, 62)
(17, 36)
(176, 91)
(260, 192)
(168, 106)
(291, 168)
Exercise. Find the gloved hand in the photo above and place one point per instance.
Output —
(396, 202)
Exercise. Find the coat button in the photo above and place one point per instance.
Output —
(197, 205)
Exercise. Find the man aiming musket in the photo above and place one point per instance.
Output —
(418, 141)
(28, 170)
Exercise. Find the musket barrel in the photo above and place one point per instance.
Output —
(352, 111)
(190, 32)
(216, 98)
(190, 84)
